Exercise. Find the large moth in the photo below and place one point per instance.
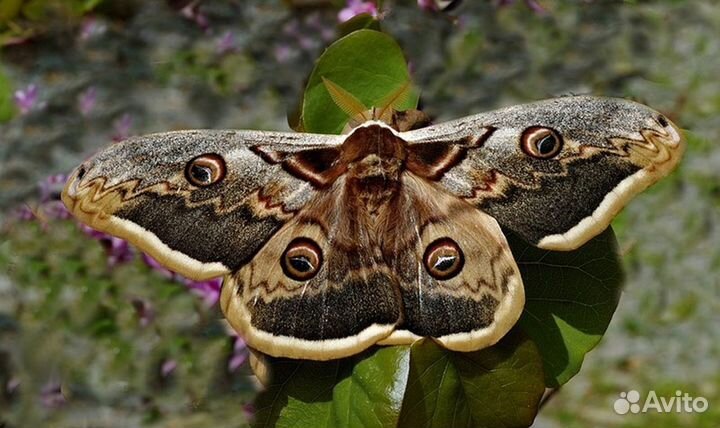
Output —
(332, 243)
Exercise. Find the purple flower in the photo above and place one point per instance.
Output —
(27, 99)
(89, 231)
(283, 53)
(427, 5)
(122, 127)
(157, 267)
(144, 311)
(24, 213)
(12, 385)
(91, 27)
(87, 100)
(357, 7)
(208, 290)
(51, 187)
(49, 206)
(118, 250)
(327, 34)
(248, 410)
(535, 7)
(532, 4)
(51, 395)
(239, 355)
(55, 210)
(226, 43)
(192, 12)
(167, 367)
(307, 43)
(292, 28)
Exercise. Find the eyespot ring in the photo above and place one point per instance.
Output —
(302, 259)
(443, 259)
(541, 142)
(205, 170)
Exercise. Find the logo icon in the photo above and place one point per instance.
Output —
(628, 402)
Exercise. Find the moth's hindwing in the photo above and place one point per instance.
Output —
(378, 289)
(465, 309)
(349, 303)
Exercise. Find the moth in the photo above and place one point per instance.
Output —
(329, 244)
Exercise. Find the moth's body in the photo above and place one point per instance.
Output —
(330, 244)
(375, 159)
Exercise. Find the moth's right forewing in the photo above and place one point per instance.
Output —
(139, 190)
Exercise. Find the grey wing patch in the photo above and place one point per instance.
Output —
(138, 190)
(612, 149)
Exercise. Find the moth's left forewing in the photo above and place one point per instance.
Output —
(611, 149)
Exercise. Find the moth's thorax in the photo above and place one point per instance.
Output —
(375, 158)
(374, 151)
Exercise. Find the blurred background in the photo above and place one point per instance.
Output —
(93, 334)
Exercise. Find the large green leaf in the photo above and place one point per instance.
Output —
(366, 63)
(499, 386)
(363, 391)
(570, 300)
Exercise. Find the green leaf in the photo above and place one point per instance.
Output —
(36, 10)
(9, 10)
(499, 386)
(7, 109)
(367, 64)
(570, 298)
(89, 5)
(364, 21)
(362, 391)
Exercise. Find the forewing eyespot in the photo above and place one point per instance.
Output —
(540, 142)
(205, 170)
(302, 259)
(443, 259)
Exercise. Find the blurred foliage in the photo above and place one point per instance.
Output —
(70, 319)
(24, 19)
(479, 56)
(7, 110)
